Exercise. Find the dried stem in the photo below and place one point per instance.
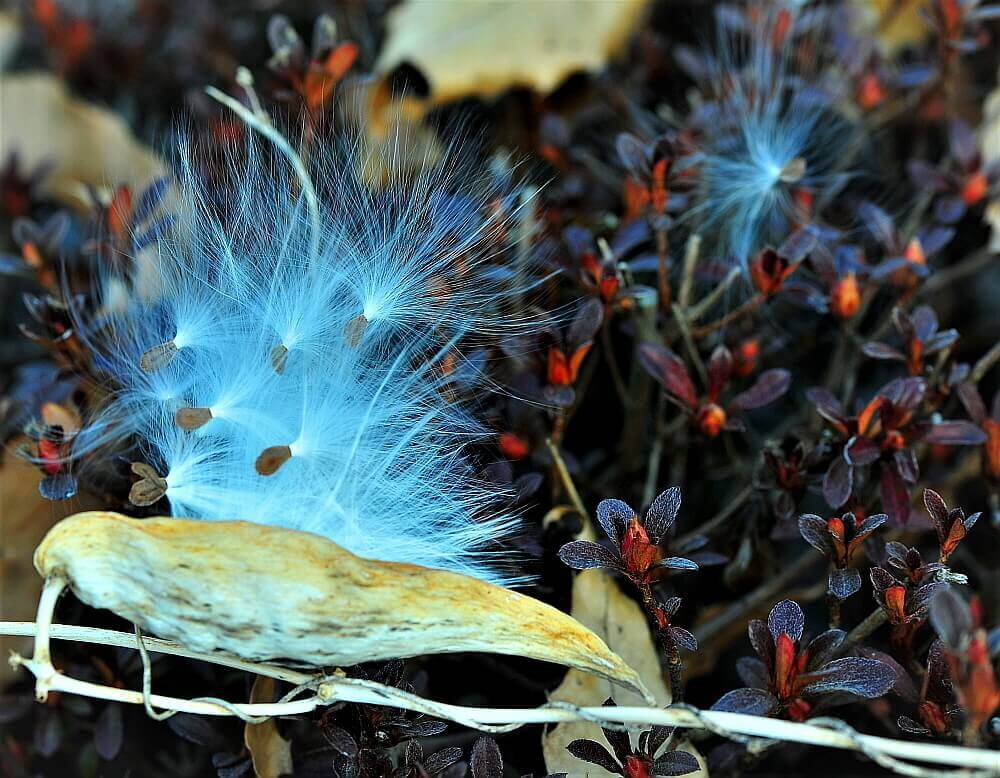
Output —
(738, 610)
(707, 527)
(329, 689)
(747, 307)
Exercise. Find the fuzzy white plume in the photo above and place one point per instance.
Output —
(269, 372)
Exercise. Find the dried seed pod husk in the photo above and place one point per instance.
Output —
(273, 594)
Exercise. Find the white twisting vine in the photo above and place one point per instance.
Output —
(322, 690)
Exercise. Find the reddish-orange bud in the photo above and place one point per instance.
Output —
(933, 717)
(845, 298)
(991, 449)
(711, 419)
(894, 441)
(638, 553)
(784, 666)
(870, 92)
(895, 603)
(513, 447)
(51, 454)
(637, 767)
(975, 188)
(799, 710)
(745, 357)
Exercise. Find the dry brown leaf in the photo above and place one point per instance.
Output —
(271, 753)
(896, 24)
(483, 48)
(269, 593)
(599, 603)
(85, 144)
(25, 517)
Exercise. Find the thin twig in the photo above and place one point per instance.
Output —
(762, 594)
(706, 303)
(330, 689)
(707, 527)
(567, 481)
(747, 307)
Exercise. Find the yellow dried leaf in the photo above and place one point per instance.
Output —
(599, 603)
(84, 143)
(270, 752)
(267, 593)
(485, 47)
(25, 517)
(897, 23)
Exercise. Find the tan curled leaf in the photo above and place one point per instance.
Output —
(484, 48)
(84, 143)
(268, 593)
(271, 753)
(25, 517)
(897, 24)
(599, 603)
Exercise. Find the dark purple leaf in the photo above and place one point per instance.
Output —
(442, 759)
(867, 678)
(925, 175)
(752, 671)
(972, 401)
(771, 385)
(707, 558)
(799, 244)
(954, 433)
(882, 579)
(632, 154)
(761, 640)
(924, 322)
(754, 702)
(895, 497)
(822, 647)
(871, 524)
(838, 482)
(877, 350)
(861, 451)
(949, 210)
(720, 367)
(663, 513)
(486, 761)
(962, 141)
(903, 685)
(936, 508)
(878, 222)
(621, 745)
(593, 752)
(57, 487)
(48, 733)
(922, 597)
(951, 619)
(667, 368)
(108, 732)
(786, 618)
(813, 530)
(911, 727)
(843, 583)
(941, 341)
(678, 563)
(683, 638)
(827, 405)
(613, 515)
(675, 763)
(907, 465)
(584, 554)
(340, 740)
(585, 323)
